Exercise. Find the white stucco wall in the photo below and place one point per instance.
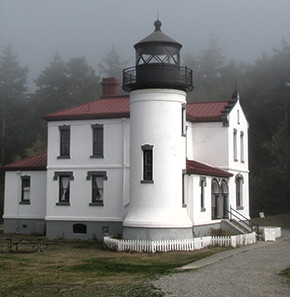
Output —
(156, 117)
(115, 163)
(213, 144)
(207, 143)
(193, 199)
(238, 165)
(12, 196)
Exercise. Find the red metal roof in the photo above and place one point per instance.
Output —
(36, 162)
(194, 167)
(119, 106)
(205, 111)
(110, 107)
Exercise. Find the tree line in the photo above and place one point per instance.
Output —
(264, 88)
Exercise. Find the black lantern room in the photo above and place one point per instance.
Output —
(157, 64)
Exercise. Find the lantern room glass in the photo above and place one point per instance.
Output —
(167, 54)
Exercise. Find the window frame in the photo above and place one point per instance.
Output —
(239, 180)
(242, 147)
(97, 144)
(25, 179)
(235, 145)
(64, 153)
(183, 188)
(183, 119)
(147, 177)
(202, 184)
(58, 176)
(92, 175)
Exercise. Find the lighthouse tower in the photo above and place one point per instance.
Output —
(157, 86)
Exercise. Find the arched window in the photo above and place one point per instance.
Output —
(215, 191)
(239, 191)
(225, 195)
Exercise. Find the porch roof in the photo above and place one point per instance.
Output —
(194, 167)
(33, 163)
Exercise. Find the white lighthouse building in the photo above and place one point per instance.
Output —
(148, 165)
(157, 86)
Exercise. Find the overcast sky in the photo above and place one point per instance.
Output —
(37, 29)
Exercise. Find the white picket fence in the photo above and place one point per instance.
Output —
(179, 245)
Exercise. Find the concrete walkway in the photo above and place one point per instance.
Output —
(243, 272)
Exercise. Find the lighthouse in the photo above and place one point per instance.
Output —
(157, 85)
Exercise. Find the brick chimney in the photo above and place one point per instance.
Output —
(109, 87)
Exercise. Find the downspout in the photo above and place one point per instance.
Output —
(18, 201)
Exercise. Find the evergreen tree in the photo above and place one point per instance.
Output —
(112, 66)
(13, 95)
(264, 101)
(62, 85)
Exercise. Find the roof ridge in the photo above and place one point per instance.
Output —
(201, 102)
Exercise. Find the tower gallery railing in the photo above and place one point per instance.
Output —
(157, 74)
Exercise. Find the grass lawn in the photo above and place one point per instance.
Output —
(86, 269)
(282, 221)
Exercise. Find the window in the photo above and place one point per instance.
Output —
(64, 142)
(235, 145)
(242, 147)
(183, 120)
(147, 163)
(25, 190)
(202, 185)
(97, 184)
(239, 191)
(238, 117)
(183, 188)
(64, 188)
(80, 228)
(98, 141)
(215, 192)
(64, 179)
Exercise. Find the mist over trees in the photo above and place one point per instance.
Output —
(264, 96)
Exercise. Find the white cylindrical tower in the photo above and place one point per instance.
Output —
(157, 86)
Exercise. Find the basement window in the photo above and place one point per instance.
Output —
(80, 228)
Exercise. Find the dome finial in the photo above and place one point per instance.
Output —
(157, 23)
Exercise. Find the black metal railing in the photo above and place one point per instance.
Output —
(157, 75)
(234, 213)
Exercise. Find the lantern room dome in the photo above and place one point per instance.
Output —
(157, 37)
(157, 64)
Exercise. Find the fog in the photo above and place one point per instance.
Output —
(37, 29)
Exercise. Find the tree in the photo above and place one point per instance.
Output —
(111, 65)
(264, 103)
(61, 84)
(13, 95)
(213, 79)
(83, 83)
(52, 86)
(37, 147)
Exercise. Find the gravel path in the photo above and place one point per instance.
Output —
(249, 272)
